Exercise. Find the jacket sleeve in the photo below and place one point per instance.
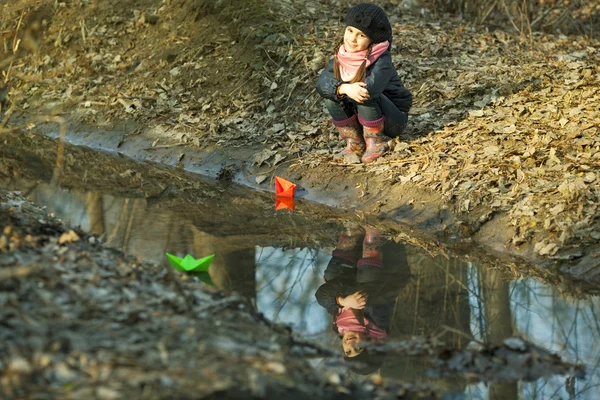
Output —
(327, 293)
(380, 314)
(327, 83)
(379, 75)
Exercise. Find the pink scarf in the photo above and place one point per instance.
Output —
(346, 321)
(350, 62)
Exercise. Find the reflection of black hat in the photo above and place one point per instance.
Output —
(366, 362)
(371, 20)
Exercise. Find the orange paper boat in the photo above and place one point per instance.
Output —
(284, 188)
(284, 203)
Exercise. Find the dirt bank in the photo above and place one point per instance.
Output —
(502, 148)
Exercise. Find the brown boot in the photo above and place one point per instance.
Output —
(372, 243)
(376, 141)
(351, 131)
(351, 238)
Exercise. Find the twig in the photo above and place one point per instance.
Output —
(214, 306)
(510, 17)
(487, 13)
(97, 103)
(61, 144)
(9, 112)
(164, 146)
(15, 45)
(7, 76)
(271, 170)
(136, 97)
(545, 13)
(460, 333)
(346, 165)
(82, 25)
(279, 65)
(8, 60)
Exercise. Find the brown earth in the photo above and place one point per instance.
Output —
(502, 147)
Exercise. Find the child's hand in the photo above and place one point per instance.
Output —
(356, 300)
(356, 91)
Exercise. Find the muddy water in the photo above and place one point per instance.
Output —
(282, 266)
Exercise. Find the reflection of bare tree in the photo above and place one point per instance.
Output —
(233, 269)
(292, 273)
(570, 327)
(95, 208)
(151, 232)
(499, 323)
(433, 303)
(129, 225)
(287, 280)
(116, 235)
(496, 299)
(435, 299)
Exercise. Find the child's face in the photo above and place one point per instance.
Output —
(355, 40)
(349, 342)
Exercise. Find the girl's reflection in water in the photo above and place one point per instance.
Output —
(361, 284)
(378, 290)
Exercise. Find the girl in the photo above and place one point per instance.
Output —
(360, 290)
(363, 93)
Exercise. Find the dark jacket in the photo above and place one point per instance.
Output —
(382, 78)
(379, 314)
(381, 284)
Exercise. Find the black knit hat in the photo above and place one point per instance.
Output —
(366, 362)
(371, 20)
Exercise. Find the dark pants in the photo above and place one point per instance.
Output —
(371, 110)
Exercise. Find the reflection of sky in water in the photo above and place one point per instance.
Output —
(570, 329)
(286, 287)
(541, 316)
(65, 205)
(287, 281)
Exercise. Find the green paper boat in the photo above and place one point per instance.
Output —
(189, 263)
(205, 277)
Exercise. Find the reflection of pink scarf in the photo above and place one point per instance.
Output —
(350, 62)
(346, 321)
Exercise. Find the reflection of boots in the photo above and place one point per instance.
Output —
(351, 131)
(347, 251)
(348, 245)
(376, 141)
(372, 254)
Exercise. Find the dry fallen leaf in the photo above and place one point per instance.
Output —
(68, 237)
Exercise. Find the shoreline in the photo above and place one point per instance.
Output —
(422, 213)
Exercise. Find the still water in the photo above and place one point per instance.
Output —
(294, 268)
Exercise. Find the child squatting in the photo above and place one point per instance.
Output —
(362, 90)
